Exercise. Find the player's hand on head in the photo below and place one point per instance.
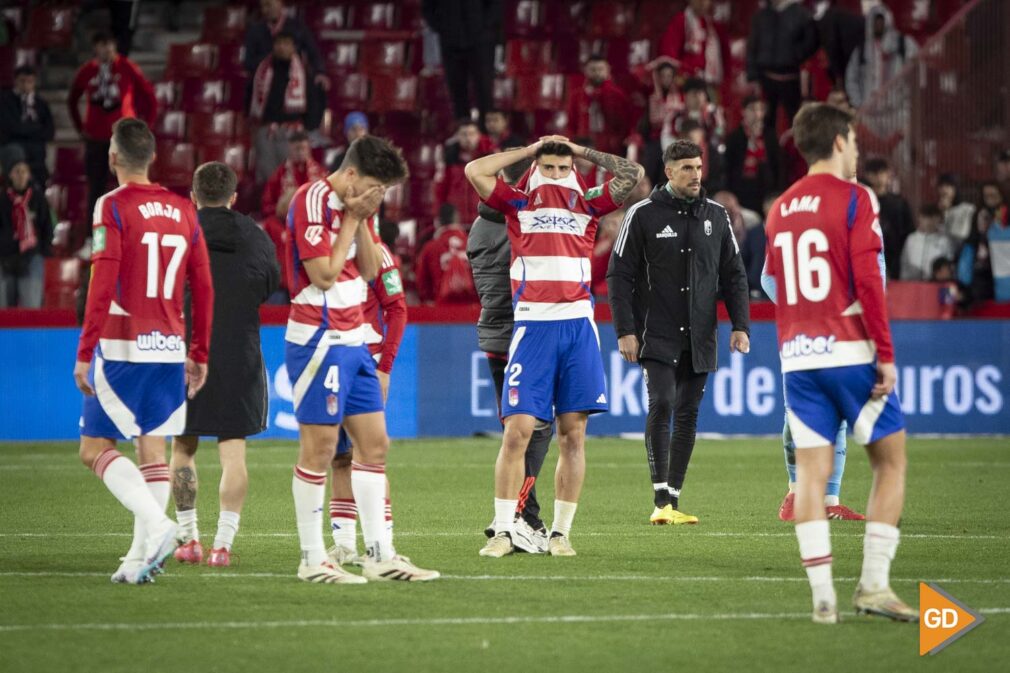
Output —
(81, 378)
(739, 342)
(628, 347)
(363, 205)
(196, 376)
(887, 378)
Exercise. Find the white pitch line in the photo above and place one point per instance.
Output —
(522, 578)
(617, 534)
(437, 621)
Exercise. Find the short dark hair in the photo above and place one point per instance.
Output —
(939, 263)
(876, 165)
(930, 210)
(750, 100)
(513, 172)
(690, 125)
(948, 179)
(101, 37)
(134, 143)
(25, 70)
(214, 183)
(298, 137)
(595, 56)
(555, 149)
(695, 84)
(377, 158)
(681, 149)
(815, 128)
(466, 122)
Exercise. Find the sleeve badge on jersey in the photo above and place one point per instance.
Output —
(594, 193)
(391, 279)
(98, 240)
(314, 234)
(708, 227)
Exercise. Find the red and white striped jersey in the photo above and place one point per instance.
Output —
(552, 231)
(155, 240)
(824, 252)
(385, 312)
(314, 218)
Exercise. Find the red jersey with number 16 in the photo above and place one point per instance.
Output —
(824, 251)
(314, 218)
(147, 243)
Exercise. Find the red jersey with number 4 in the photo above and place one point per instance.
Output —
(552, 229)
(314, 218)
(152, 235)
(824, 251)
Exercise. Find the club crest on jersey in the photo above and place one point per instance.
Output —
(331, 404)
(513, 397)
(708, 227)
(573, 197)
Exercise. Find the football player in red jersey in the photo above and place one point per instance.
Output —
(133, 365)
(825, 251)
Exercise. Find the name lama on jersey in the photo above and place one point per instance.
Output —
(803, 204)
(156, 209)
(801, 344)
(156, 341)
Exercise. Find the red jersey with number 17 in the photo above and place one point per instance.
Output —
(313, 223)
(824, 251)
(153, 238)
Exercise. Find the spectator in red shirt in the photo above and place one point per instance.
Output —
(298, 169)
(694, 41)
(451, 185)
(113, 87)
(664, 102)
(599, 109)
(439, 257)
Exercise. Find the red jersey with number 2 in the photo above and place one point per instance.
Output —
(824, 251)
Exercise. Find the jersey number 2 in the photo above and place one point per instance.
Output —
(802, 268)
(178, 244)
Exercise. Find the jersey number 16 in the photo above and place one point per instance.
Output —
(802, 267)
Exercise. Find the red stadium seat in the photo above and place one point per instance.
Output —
(197, 60)
(15, 18)
(69, 164)
(525, 18)
(503, 93)
(234, 154)
(546, 92)
(611, 19)
(565, 18)
(174, 164)
(735, 15)
(402, 127)
(171, 125)
(410, 17)
(396, 201)
(421, 160)
(383, 57)
(229, 59)
(349, 92)
(62, 278)
(341, 58)
(167, 95)
(75, 202)
(212, 127)
(654, 16)
(50, 26)
(377, 16)
(223, 25)
(11, 58)
(526, 57)
(328, 17)
(208, 95)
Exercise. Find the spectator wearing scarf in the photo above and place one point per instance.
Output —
(26, 120)
(26, 232)
(752, 157)
(278, 103)
(693, 40)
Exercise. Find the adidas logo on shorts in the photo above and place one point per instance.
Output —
(602, 399)
(667, 233)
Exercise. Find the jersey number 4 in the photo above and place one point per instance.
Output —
(802, 268)
(178, 245)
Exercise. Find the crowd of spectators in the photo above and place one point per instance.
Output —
(686, 88)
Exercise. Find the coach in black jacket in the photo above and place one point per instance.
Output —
(675, 254)
(490, 255)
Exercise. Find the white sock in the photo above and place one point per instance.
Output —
(674, 492)
(124, 481)
(344, 522)
(309, 491)
(815, 551)
(792, 486)
(505, 515)
(227, 527)
(831, 501)
(879, 547)
(156, 477)
(564, 513)
(188, 523)
(368, 481)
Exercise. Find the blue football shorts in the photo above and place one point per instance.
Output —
(134, 398)
(330, 382)
(818, 400)
(555, 367)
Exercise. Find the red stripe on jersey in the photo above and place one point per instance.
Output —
(551, 291)
(337, 318)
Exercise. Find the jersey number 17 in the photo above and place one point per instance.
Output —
(178, 245)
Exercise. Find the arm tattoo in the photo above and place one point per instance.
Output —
(184, 488)
(626, 173)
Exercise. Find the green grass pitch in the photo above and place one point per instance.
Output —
(726, 595)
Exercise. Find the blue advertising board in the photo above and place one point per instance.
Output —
(954, 378)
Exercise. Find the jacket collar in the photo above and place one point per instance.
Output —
(662, 195)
